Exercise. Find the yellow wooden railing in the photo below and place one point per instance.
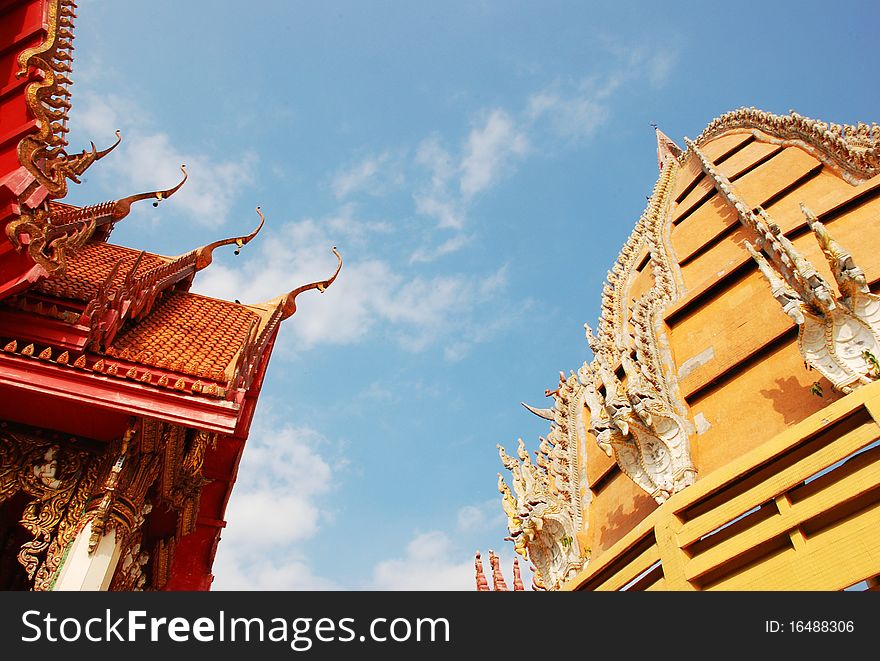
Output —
(799, 512)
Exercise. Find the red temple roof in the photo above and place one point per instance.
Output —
(190, 334)
(90, 266)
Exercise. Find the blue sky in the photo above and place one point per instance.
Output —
(478, 165)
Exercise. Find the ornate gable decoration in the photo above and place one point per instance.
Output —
(853, 151)
(641, 423)
(44, 154)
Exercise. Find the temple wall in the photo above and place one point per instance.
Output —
(733, 349)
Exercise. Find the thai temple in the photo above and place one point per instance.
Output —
(723, 432)
(125, 400)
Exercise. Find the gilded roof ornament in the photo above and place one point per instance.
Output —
(517, 577)
(546, 504)
(204, 255)
(482, 583)
(786, 296)
(850, 278)
(121, 208)
(498, 582)
(287, 302)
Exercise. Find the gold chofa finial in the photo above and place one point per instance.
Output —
(204, 255)
(123, 207)
(101, 154)
(287, 302)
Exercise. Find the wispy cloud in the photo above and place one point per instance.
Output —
(374, 175)
(491, 150)
(417, 311)
(564, 113)
(573, 115)
(452, 244)
(426, 564)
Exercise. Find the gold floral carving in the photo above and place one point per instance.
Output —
(131, 572)
(122, 494)
(57, 478)
(68, 527)
(163, 557)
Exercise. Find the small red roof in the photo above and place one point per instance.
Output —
(88, 268)
(189, 334)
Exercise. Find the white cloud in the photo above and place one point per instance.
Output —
(439, 204)
(479, 517)
(433, 199)
(575, 117)
(660, 66)
(453, 244)
(438, 560)
(148, 160)
(274, 508)
(276, 573)
(426, 565)
(490, 152)
(416, 311)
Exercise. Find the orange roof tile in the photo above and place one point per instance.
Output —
(189, 334)
(89, 267)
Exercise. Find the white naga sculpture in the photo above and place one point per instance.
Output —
(634, 424)
(838, 335)
(545, 509)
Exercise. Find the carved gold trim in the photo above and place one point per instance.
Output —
(58, 480)
(43, 154)
(47, 246)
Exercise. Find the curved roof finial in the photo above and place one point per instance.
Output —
(288, 301)
(122, 207)
(204, 255)
(101, 154)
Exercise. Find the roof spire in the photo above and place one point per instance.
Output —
(666, 148)
(517, 577)
(498, 583)
(482, 583)
(287, 302)
(204, 255)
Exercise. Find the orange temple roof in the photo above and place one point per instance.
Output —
(190, 334)
(88, 269)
